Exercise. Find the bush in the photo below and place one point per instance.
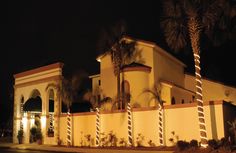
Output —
(182, 145)
(213, 144)
(38, 134)
(35, 134)
(193, 144)
(20, 136)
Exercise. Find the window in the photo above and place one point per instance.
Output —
(172, 100)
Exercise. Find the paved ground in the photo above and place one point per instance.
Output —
(78, 149)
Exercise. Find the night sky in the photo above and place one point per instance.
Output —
(36, 33)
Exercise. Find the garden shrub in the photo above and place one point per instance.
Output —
(182, 145)
(193, 144)
(213, 144)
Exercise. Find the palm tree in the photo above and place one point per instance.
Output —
(67, 91)
(156, 95)
(92, 97)
(121, 51)
(185, 19)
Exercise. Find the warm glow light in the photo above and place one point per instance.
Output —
(130, 139)
(43, 121)
(24, 121)
(199, 99)
(68, 129)
(97, 126)
(32, 121)
(160, 125)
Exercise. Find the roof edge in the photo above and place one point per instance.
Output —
(215, 81)
(39, 69)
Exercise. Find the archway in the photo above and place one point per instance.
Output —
(33, 107)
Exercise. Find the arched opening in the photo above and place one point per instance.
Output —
(33, 107)
(125, 92)
(35, 93)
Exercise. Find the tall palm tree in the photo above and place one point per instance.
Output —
(67, 91)
(92, 97)
(156, 95)
(121, 51)
(186, 20)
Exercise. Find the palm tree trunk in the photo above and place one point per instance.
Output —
(160, 125)
(194, 32)
(69, 132)
(130, 139)
(97, 127)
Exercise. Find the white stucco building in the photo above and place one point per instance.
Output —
(153, 66)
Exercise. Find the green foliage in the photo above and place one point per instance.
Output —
(38, 134)
(108, 140)
(151, 144)
(88, 139)
(35, 134)
(182, 145)
(232, 130)
(193, 144)
(139, 140)
(213, 144)
(20, 134)
(174, 138)
(122, 142)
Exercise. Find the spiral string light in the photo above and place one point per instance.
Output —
(21, 113)
(200, 109)
(68, 129)
(51, 117)
(130, 142)
(160, 125)
(97, 127)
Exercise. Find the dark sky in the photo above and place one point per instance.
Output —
(37, 33)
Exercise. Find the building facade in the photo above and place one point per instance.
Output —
(152, 66)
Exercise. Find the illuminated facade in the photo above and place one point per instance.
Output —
(152, 66)
(38, 103)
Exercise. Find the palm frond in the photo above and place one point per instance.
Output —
(173, 25)
(155, 94)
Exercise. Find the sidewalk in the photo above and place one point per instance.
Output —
(78, 149)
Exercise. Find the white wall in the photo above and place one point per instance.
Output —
(180, 118)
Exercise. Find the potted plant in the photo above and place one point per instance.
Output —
(50, 132)
(20, 136)
(39, 136)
